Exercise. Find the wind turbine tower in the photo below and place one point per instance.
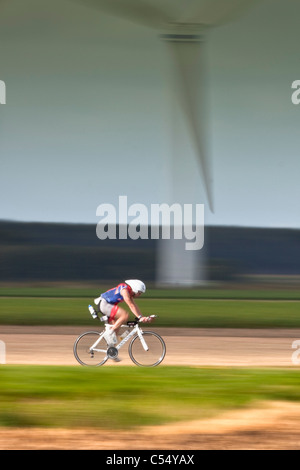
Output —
(184, 27)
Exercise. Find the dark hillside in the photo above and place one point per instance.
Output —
(44, 252)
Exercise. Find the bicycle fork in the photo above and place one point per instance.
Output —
(144, 344)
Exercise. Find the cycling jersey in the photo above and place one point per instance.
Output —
(113, 296)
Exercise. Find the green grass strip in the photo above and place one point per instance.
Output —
(171, 312)
(203, 293)
(126, 397)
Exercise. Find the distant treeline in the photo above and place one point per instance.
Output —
(58, 252)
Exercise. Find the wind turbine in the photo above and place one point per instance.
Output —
(184, 25)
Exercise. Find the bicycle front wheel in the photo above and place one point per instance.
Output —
(155, 350)
(89, 351)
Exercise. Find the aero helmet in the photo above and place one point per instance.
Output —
(136, 286)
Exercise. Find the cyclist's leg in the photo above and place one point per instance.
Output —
(118, 317)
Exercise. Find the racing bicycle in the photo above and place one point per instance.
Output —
(146, 348)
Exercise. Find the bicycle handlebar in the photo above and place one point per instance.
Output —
(137, 320)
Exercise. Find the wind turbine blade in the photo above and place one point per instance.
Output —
(216, 12)
(137, 11)
(188, 57)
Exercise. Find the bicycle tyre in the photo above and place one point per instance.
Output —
(82, 351)
(151, 358)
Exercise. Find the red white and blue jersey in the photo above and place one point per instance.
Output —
(113, 296)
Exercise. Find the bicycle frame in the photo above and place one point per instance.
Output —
(136, 330)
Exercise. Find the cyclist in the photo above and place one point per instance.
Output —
(108, 304)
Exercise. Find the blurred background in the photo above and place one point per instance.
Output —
(89, 117)
(45, 253)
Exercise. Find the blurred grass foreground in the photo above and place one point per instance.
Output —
(124, 398)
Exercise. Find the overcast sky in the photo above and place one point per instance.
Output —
(88, 112)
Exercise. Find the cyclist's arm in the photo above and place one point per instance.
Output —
(131, 304)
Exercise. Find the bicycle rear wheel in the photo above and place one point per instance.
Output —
(155, 353)
(88, 356)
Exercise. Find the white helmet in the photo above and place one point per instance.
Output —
(136, 286)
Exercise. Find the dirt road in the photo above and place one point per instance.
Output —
(268, 426)
(200, 347)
